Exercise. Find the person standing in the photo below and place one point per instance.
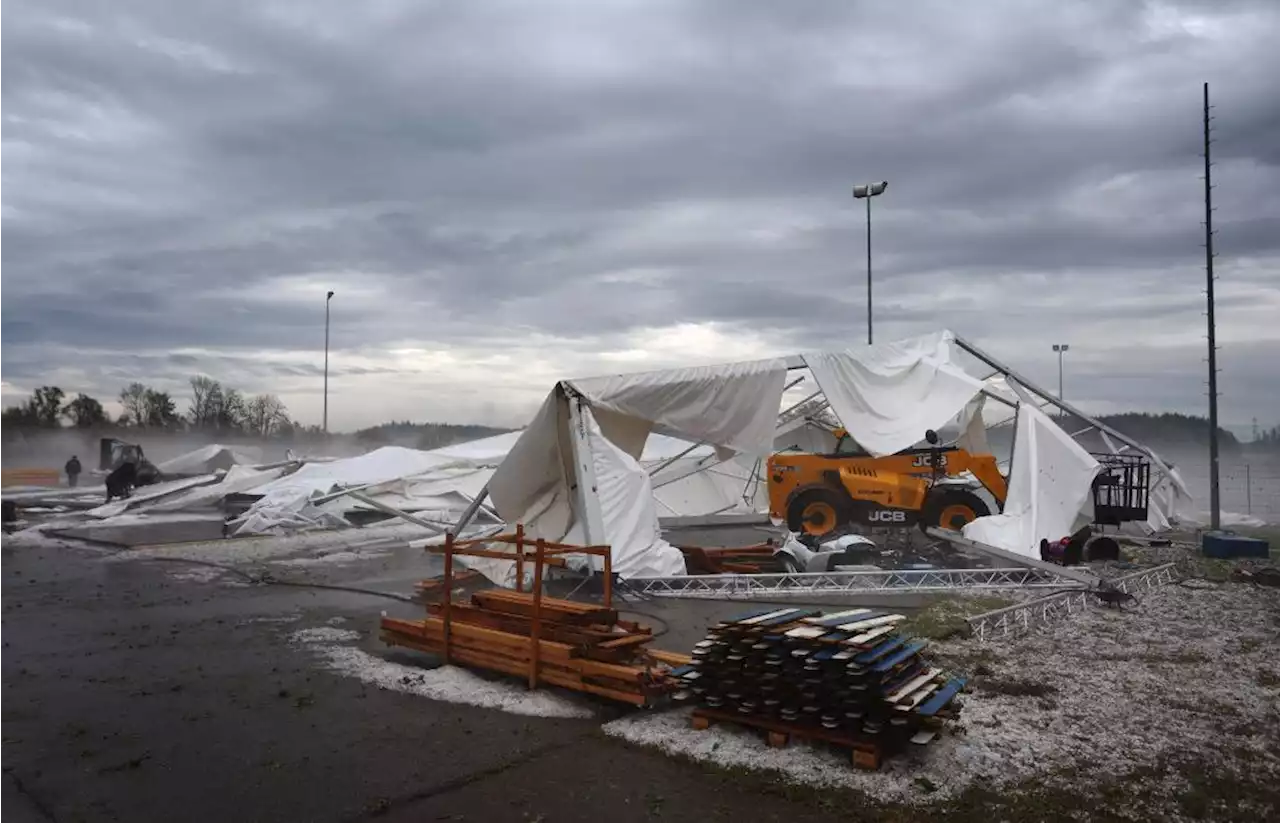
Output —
(73, 471)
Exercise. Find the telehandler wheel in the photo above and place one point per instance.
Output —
(818, 511)
(952, 509)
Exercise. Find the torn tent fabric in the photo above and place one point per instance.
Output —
(1050, 488)
(888, 395)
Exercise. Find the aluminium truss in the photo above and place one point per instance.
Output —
(1025, 617)
(751, 586)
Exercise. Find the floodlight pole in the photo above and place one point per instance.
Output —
(325, 423)
(866, 192)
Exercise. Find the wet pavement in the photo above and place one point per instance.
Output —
(153, 691)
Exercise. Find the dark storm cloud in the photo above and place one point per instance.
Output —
(194, 176)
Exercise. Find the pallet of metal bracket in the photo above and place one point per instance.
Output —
(848, 674)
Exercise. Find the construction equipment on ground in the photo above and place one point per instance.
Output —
(817, 493)
(113, 453)
(581, 646)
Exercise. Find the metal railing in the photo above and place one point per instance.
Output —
(750, 586)
(1025, 617)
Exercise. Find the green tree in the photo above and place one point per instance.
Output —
(45, 407)
(85, 412)
(159, 410)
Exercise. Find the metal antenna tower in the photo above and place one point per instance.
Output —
(1215, 514)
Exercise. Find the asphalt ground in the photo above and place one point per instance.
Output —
(130, 694)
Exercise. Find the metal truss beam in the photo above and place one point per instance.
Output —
(1025, 617)
(751, 586)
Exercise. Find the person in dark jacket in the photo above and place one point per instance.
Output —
(73, 471)
(121, 481)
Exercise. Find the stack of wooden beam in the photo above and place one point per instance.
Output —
(848, 678)
(580, 646)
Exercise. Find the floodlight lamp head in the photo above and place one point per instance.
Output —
(329, 296)
(870, 189)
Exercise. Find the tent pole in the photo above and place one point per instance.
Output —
(471, 510)
(1050, 399)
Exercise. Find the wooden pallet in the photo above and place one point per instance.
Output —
(865, 754)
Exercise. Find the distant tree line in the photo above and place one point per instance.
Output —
(214, 408)
(1167, 427)
(1268, 439)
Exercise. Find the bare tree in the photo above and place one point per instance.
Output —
(232, 412)
(206, 401)
(265, 414)
(134, 400)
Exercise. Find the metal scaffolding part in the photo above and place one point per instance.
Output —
(765, 586)
(1025, 617)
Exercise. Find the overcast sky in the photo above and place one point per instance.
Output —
(502, 194)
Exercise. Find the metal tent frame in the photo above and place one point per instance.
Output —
(808, 411)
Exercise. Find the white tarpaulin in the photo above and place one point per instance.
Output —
(734, 405)
(1050, 486)
(629, 513)
(889, 394)
(210, 458)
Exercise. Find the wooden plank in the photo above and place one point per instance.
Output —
(519, 624)
(912, 685)
(836, 618)
(756, 620)
(745, 616)
(797, 614)
(670, 658)
(944, 695)
(916, 698)
(871, 636)
(564, 611)
(897, 657)
(892, 644)
(535, 624)
(469, 657)
(873, 622)
(626, 641)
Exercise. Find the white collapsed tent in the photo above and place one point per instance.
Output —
(614, 459)
(575, 475)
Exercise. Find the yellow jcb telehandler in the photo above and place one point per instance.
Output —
(817, 493)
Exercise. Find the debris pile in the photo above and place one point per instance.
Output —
(848, 678)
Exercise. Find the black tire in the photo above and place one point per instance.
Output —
(789, 564)
(952, 509)
(818, 511)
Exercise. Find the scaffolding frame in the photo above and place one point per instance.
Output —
(802, 584)
(1022, 618)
